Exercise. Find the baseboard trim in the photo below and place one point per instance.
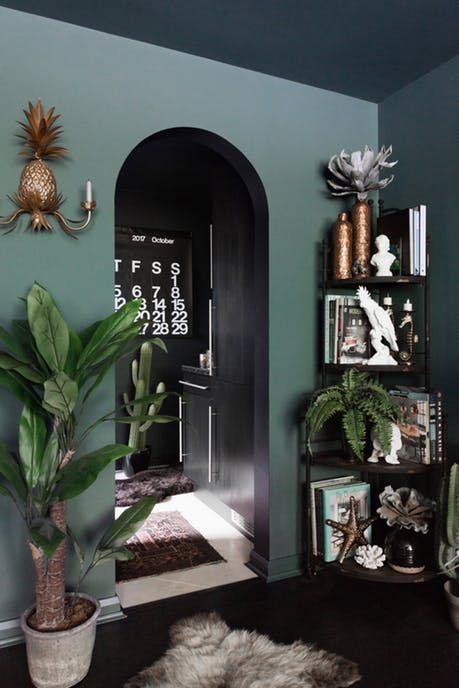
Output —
(273, 570)
(11, 634)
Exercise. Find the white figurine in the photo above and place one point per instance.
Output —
(381, 327)
(395, 446)
(382, 260)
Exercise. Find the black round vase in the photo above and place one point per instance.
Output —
(136, 462)
(406, 550)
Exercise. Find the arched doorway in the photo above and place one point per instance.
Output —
(183, 180)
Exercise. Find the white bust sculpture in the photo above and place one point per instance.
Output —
(383, 259)
(395, 446)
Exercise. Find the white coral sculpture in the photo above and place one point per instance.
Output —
(370, 556)
(406, 507)
(359, 173)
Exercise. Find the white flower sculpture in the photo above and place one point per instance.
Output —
(359, 173)
(406, 507)
(370, 556)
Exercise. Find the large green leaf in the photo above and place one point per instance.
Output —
(48, 327)
(10, 470)
(74, 353)
(8, 362)
(117, 553)
(127, 524)
(77, 476)
(50, 461)
(15, 345)
(45, 535)
(21, 389)
(60, 395)
(32, 440)
(107, 332)
(142, 419)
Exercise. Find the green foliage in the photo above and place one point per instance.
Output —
(448, 545)
(359, 400)
(53, 370)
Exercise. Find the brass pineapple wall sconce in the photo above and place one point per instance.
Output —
(37, 193)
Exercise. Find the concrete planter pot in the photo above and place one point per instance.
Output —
(453, 605)
(61, 659)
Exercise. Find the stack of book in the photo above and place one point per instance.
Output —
(407, 233)
(421, 425)
(347, 331)
(330, 498)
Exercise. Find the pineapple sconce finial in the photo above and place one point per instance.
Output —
(37, 193)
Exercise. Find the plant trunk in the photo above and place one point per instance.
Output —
(50, 574)
(50, 577)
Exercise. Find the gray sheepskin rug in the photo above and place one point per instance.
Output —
(205, 653)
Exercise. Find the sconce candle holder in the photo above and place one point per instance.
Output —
(37, 193)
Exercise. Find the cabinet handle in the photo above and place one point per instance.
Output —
(211, 352)
(181, 405)
(192, 384)
(209, 464)
(211, 251)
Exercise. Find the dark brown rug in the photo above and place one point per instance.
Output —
(166, 542)
(155, 482)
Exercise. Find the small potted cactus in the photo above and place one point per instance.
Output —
(448, 545)
(139, 459)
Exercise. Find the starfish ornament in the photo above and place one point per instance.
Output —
(353, 530)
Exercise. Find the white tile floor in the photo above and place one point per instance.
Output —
(228, 541)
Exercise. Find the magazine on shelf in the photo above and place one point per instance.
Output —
(333, 503)
(316, 485)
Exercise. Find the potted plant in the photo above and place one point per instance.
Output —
(141, 373)
(54, 371)
(360, 401)
(448, 545)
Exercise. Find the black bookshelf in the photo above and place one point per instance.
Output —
(377, 475)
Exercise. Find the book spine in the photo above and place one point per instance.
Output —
(423, 224)
(417, 240)
(439, 444)
(433, 427)
(328, 301)
(320, 522)
(411, 214)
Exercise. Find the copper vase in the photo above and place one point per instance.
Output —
(342, 248)
(361, 224)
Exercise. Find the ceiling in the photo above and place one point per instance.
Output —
(363, 48)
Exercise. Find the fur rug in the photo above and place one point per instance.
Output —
(206, 653)
(155, 482)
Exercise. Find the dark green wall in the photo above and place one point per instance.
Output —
(112, 94)
(421, 121)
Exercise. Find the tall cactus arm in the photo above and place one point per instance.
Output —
(129, 409)
(134, 369)
(452, 514)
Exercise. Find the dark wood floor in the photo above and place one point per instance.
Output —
(399, 634)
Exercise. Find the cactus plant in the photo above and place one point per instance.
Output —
(141, 375)
(448, 546)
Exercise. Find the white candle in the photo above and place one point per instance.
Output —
(387, 301)
(88, 191)
(407, 306)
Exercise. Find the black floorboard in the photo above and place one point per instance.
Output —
(399, 634)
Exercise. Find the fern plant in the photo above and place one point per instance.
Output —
(361, 402)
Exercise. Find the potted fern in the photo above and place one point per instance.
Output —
(53, 370)
(448, 545)
(360, 401)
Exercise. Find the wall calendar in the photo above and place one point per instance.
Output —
(155, 266)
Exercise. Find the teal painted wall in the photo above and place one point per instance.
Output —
(112, 93)
(421, 121)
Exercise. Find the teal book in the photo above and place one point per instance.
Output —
(333, 503)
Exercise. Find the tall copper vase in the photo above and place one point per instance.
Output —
(342, 248)
(361, 223)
